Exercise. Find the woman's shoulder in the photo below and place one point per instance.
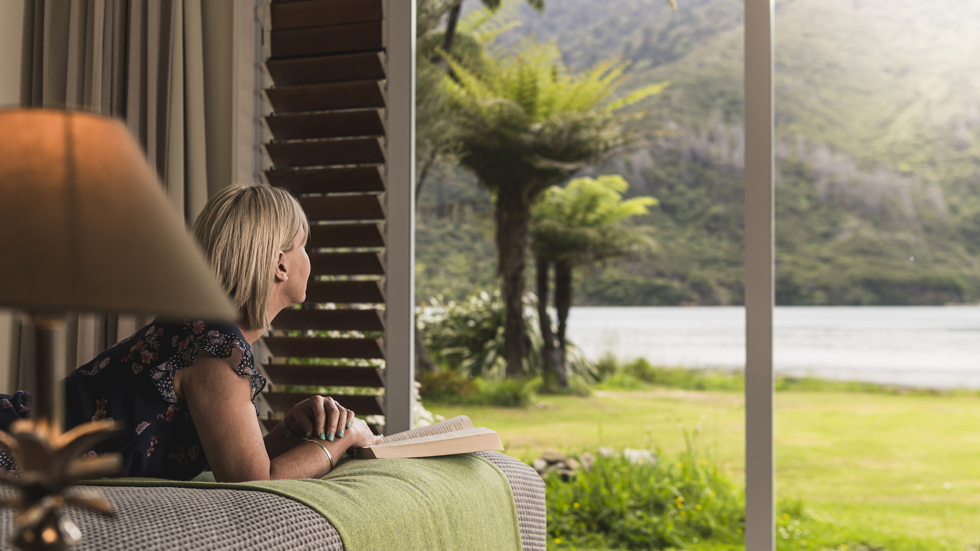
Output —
(197, 328)
(217, 340)
(220, 340)
(174, 344)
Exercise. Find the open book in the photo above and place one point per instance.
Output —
(455, 435)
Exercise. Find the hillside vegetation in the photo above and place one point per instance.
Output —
(878, 154)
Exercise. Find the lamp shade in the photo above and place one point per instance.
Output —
(85, 225)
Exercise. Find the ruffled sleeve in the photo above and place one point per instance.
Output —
(220, 340)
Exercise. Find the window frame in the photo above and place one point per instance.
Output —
(760, 513)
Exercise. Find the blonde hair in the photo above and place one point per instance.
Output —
(242, 229)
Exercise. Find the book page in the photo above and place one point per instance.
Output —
(436, 437)
(461, 422)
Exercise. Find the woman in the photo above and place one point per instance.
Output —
(186, 390)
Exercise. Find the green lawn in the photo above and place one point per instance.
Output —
(899, 465)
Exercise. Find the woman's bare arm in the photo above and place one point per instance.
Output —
(220, 404)
(276, 444)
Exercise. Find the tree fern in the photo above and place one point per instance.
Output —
(527, 122)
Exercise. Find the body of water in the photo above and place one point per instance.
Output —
(924, 346)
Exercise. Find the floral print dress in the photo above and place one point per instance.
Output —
(133, 382)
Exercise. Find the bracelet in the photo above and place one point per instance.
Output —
(288, 434)
(325, 450)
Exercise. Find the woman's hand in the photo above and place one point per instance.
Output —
(319, 417)
(362, 435)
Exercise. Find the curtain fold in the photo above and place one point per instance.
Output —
(140, 61)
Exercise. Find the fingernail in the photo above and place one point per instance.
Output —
(323, 436)
(348, 425)
(340, 434)
(330, 437)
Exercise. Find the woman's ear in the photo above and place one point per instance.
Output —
(281, 268)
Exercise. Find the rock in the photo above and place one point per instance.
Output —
(606, 452)
(566, 474)
(552, 457)
(587, 460)
(540, 465)
(572, 464)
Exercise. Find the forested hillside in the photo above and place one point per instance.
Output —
(878, 154)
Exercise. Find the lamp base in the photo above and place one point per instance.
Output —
(49, 461)
(53, 533)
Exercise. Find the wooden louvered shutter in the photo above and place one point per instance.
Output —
(328, 66)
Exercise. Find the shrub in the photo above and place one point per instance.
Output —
(606, 366)
(445, 387)
(509, 393)
(451, 387)
(641, 505)
(688, 503)
(613, 373)
(639, 373)
(468, 336)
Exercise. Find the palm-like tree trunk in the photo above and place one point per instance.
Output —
(450, 36)
(512, 212)
(422, 359)
(563, 302)
(550, 353)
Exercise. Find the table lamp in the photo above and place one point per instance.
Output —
(84, 226)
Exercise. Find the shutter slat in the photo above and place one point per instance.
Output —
(322, 347)
(329, 320)
(328, 68)
(345, 292)
(328, 180)
(328, 126)
(321, 13)
(337, 124)
(334, 236)
(327, 152)
(362, 405)
(325, 375)
(355, 37)
(328, 96)
(347, 264)
(343, 207)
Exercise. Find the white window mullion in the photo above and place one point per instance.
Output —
(759, 277)
(400, 192)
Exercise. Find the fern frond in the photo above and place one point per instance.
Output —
(637, 95)
(487, 22)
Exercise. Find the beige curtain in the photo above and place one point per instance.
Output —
(141, 61)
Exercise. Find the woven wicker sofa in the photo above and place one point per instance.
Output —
(218, 519)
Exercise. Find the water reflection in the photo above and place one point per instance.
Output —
(935, 347)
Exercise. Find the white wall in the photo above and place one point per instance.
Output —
(11, 80)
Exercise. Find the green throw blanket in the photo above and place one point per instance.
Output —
(452, 502)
